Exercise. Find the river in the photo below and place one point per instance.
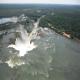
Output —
(55, 58)
(66, 64)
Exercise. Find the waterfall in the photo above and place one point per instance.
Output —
(23, 43)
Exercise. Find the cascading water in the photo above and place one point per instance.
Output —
(23, 44)
(29, 50)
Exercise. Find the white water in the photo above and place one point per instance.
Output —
(23, 44)
(12, 64)
(5, 20)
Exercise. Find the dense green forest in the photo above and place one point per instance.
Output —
(60, 18)
(63, 21)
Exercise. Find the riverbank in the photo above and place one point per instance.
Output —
(65, 34)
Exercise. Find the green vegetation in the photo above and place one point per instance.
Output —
(64, 21)
(59, 18)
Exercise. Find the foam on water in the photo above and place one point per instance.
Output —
(23, 44)
(11, 19)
